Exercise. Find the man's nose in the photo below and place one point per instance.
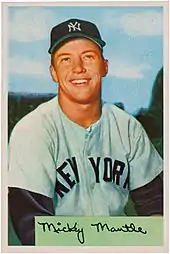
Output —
(78, 66)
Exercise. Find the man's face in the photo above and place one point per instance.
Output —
(78, 67)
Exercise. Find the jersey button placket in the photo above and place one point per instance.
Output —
(86, 153)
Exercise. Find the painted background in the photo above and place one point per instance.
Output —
(134, 49)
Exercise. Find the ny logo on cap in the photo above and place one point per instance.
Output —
(74, 27)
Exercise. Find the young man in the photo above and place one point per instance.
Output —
(76, 155)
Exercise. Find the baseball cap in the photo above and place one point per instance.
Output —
(74, 28)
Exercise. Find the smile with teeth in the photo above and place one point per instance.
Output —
(79, 81)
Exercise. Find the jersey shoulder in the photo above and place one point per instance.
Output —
(121, 117)
(39, 121)
(125, 127)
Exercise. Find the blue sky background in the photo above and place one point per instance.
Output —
(134, 48)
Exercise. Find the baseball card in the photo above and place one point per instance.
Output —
(84, 126)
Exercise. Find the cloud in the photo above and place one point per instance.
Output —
(31, 23)
(125, 71)
(146, 23)
(23, 66)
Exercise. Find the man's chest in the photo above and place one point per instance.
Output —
(89, 159)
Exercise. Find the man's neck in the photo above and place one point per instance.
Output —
(82, 114)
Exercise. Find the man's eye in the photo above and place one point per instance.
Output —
(65, 59)
(89, 57)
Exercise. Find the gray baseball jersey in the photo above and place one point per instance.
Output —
(85, 171)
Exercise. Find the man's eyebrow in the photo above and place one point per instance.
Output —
(89, 51)
(63, 54)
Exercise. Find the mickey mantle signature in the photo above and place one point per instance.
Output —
(99, 227)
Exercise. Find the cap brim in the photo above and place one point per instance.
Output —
(100, 43)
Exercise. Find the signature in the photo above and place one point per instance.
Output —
(66, 229)
(125, 228)
(100, 227)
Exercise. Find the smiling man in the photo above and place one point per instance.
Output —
(75, 154)
(78, 66)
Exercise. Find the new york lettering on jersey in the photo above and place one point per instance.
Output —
(104, 169)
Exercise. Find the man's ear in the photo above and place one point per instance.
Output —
(53, 74)
(105, 67)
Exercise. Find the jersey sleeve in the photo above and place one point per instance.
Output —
(145, 163)
(22, 219)
(31, 160)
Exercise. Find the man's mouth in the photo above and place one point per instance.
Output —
(79, 82)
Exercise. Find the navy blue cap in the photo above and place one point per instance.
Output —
(74, 28)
